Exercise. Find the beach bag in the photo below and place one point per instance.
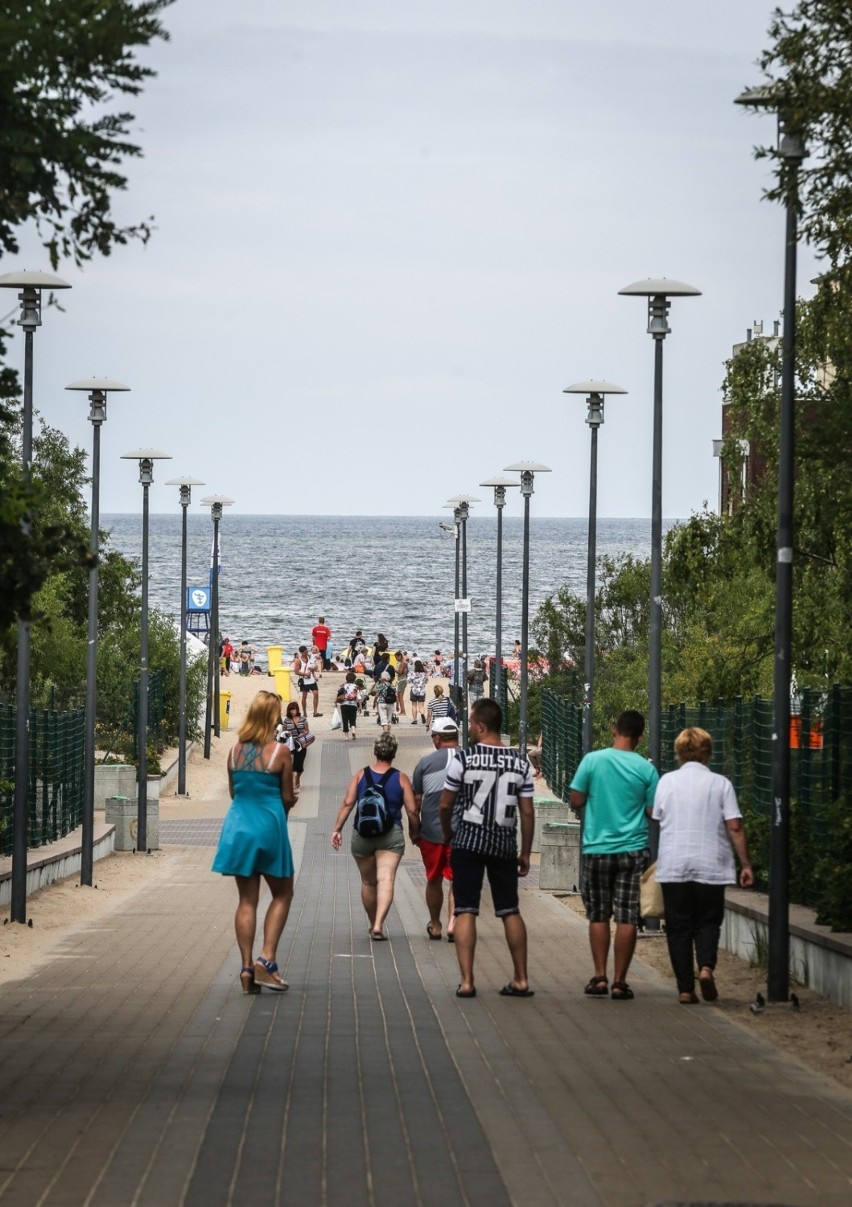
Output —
(336, 719)
(372, 815)
(650, 894)
(307, 739)
(389, 694)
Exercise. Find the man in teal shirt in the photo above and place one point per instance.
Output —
(615, 789)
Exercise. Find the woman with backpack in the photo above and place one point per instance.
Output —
(417, 692)
(380, 793)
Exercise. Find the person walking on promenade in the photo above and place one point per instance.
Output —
(295, 732)
(348, 699)
(401, 680)
(378, 857)
(386, 700)
(320, 636)
(615, 788)
(417, 692)
(428, 783)
(307, 680)
(440, 706)
(487, 786)
(701, 827)
(254, 842)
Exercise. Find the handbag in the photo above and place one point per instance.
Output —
(336, 719)
(308, 739)
(650, 894)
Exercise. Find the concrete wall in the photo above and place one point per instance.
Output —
(64, 859)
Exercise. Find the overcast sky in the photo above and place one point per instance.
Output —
(389, 234)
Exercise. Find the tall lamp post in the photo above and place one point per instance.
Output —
(30, 285)
(596, 392)
(216, 504)
(791, 151)
(527, 470)
(186, 484)
(456, 510)
(97, 388)
(463, 502)
(501, 485)
(146, 458)
(658, 293)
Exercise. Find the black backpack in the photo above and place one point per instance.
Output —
(372, 815)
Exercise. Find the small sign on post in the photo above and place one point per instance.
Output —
(462, 605)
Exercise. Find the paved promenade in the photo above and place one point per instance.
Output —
(134, 1071)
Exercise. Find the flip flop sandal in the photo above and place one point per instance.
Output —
(451, 938)
(465, 992)
(621, 992)
(511, 990)
(433, 937)
(598, 986)
(378, 937)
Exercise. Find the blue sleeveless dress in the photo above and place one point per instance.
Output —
(254, 834)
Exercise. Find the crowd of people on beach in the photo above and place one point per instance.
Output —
(470, 812)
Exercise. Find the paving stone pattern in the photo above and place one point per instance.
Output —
(134, 1071)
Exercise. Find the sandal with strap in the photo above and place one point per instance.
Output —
(247, 980)
(598, 986)
(621, 992)
(266, 973)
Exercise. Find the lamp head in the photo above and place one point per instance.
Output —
(501, 485)
(527, 470)
(97, 388)
(216, 503)
(30, 285)
(595, 392)
(186, 484)
(146, 458)
(658, 290)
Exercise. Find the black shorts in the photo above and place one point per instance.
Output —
(468, 874)
(308, 687)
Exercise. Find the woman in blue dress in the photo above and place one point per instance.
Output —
(254, 840)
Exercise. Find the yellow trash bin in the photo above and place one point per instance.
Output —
(273, 654)
(282, 682)
(224, 710)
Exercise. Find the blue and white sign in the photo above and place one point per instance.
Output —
(198, 599)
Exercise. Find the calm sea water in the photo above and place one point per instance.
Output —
(386, 574)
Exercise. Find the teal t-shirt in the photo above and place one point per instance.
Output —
(618, 785)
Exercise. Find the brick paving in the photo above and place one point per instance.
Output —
(134, 1071)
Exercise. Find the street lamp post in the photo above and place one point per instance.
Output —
(146, 458)
(97, 388)
(792, 151)
(463, 503)
(186, 484)
(657, 291)
(30, 285)
(216, 503)
(527, 470)
(596, 392)
(500, 487)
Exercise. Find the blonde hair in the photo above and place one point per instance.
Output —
(438, 690)
(263, 715)
(693, 745)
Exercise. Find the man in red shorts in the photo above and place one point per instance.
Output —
(428, 782)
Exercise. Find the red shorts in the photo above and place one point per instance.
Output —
(436, 859)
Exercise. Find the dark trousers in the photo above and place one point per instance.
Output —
(348, 713)
(694, 915)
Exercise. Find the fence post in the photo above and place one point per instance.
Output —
(738, 744)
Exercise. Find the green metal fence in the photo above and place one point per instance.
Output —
(498, 679)
(820, 774)
(55, 781)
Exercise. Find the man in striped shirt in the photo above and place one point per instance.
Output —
(487, 786)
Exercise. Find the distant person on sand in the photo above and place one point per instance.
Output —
(516, 652)
(378, 856)
(226, 653)
(321, 635)
(246, 656)
(401, 680)
(615, 789)
(254, 842)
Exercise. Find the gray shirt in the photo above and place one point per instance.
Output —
(428, 782)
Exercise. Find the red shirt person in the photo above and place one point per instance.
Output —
(320, 635)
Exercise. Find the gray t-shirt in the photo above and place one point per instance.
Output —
(428, 782)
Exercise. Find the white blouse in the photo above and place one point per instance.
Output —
(692, 805)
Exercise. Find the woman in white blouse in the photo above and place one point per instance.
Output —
(700, 829)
